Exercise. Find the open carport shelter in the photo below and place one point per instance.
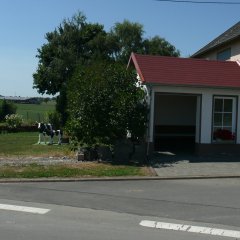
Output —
(193, 103)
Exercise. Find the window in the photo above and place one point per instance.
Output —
(224, 55)
(224, 119)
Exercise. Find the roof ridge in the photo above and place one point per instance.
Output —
(185, 58)
(217, 41)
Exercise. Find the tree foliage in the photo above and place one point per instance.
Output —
(127, 37)
(76, 43)
(159, 46)
(6, 108)
(105, 103)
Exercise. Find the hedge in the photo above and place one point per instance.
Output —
(23, 128)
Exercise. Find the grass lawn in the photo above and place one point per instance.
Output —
(35, 112)
(22, 144)
(71, 170)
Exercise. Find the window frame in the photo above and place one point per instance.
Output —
(226, 51)
(234, 113)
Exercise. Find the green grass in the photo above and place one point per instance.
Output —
(35, 112)
(64, 170)
(22, 144)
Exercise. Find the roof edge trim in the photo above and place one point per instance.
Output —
(133, 59)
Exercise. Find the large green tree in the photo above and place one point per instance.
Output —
(75, 42)
(127, 37)
(159, 46)
(104, 103)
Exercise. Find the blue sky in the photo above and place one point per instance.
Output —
(24, 23)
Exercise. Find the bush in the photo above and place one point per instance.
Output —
(104, 104)
(7, 108)
(13, 120)
(4, 128)
(55, 119)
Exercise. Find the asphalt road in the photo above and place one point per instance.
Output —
(114, 210)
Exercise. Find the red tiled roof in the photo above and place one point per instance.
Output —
(186, 71)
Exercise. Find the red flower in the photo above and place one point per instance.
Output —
(223, 134)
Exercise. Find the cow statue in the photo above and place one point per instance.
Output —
(42, 132)
(47, 130)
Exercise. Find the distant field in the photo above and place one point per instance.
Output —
(35, 112)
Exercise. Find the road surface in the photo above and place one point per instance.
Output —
(121, 210)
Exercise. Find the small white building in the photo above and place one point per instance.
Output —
(193, 103)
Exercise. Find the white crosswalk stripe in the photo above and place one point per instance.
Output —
(24, 209)
(190, 228)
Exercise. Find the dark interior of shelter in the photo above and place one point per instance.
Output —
(175, 123)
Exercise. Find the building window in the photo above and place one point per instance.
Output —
(224, 55)
(224, 119)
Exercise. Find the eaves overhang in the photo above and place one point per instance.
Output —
(214, 47)
(190, 86)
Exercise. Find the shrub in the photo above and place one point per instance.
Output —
(13, 120)
(104, 104)
(6, 108)
(55, 119)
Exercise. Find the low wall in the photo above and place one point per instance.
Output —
(222, 149)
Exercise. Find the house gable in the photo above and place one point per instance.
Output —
(229, 40)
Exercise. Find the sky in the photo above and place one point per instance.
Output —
(24, 23)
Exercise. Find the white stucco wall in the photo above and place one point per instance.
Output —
(235, 52)
(206, 108)
(150, 97)
(198, 118)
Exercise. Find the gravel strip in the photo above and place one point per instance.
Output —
(18, 161)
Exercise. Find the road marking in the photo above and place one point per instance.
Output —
(190, 228)
(24, 209)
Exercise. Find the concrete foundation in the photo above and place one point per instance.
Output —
(218, 149)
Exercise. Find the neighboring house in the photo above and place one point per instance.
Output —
(193, 103)
(224, 47)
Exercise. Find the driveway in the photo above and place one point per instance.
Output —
(179, 165)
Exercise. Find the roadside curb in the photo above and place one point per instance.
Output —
(33, 180)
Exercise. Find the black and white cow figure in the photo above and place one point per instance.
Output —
(47, 129)
(59, 134)
(42, 132)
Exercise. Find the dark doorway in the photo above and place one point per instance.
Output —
(175, 122)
